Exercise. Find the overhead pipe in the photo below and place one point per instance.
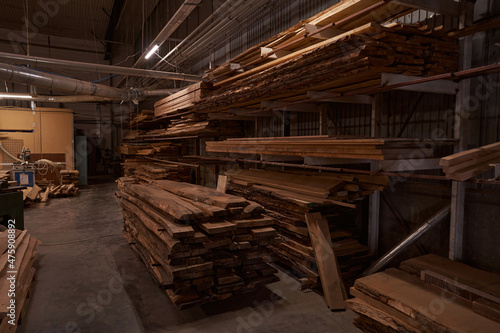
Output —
(18, 59)
(408, 241)
(51, 81)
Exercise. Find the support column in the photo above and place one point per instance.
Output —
(461, 116)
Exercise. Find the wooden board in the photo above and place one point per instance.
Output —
(331, 281)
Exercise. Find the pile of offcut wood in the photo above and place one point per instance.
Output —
(70, 177)
(199, 244)
(4, 174)
(139, 119)
(428, 294)
(289, 196)
(470, 163)
(22, 263)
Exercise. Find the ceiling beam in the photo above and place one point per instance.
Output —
(113, 20)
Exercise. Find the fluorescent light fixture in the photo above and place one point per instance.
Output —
(13, 95)
(153, 50)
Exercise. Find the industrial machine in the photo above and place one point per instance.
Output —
(24, 171)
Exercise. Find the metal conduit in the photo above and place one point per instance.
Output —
(91, 90)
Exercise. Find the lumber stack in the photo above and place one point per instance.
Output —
(335, 14)
(333, 147)
(470, 163)
(25, 256)
(428, 294)
(70, 177)
(350, 61)
(139, 119)
(65, 190)
(182, 100)
(200, 245)
(156, 171)
(289, 196)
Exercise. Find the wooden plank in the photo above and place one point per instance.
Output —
(218, 227)
(222, 184)
(486, 282)
(329, 272)
(487, 309)
(413, 297)
(471, 154)
(201, 194)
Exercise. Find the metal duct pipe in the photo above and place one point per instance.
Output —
(408, 241)
(31, 77)
(95, 68)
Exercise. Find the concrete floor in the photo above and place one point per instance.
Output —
(89, 280)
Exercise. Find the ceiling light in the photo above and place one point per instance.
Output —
(153, 50)
(14, 95)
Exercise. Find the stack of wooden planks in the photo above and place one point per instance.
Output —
(470, 163)
(336, 14)
(334, 147)
(182, 100)
(69, 177)
(289, 196)
(20, 261)
(428, 294)
(195, 125)
(199, 244)
(61, 191)
(139, 119)
(156, 149)
(156, 171)
(347, 62)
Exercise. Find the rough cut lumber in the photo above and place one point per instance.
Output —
(413, 297)
(466, 281)
(331, 281)
(212, 258)
(201, 194)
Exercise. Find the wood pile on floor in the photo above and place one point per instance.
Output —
(351, 61)
(20, 261)
(70, 177)
(200, 245)
(428, 294)
(182, 100)
(43, 193)
(333, 147)
(139, 119)
(5, 175)
(289, 196)
(470, 163)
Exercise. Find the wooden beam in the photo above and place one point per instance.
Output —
(436, 86)
(331, 281)
(324, 34)
(324, 96)
(264, 51)
(250, 113)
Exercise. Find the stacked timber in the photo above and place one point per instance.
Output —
(200, 245)
(70, 177)
(193, 125)
(470, 163)
(360, 12)
(62, 191)
(289, 196)
(428, 294)
(17, 258)
(182, 100)
(139, 119)
(353, 60)
(156, 171)
(157, 149)
(333, 147)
